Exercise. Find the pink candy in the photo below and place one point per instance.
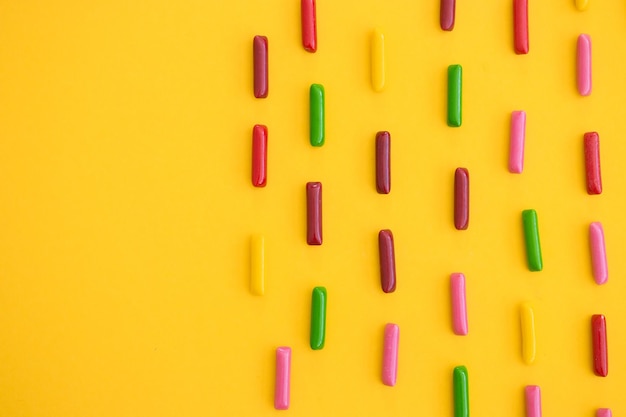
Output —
(518, 137)
(583, 65)
(283, 377)
(459, 304)
(390, 354)
(533, 401)
(598, 253)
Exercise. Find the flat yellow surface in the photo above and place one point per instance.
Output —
(127, 209)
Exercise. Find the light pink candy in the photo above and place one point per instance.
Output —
(604, 412)
(533, 401)
(390, 354)
(459, 304)
(583, 64)
(283, 377)
(518, 137)
(598, 253)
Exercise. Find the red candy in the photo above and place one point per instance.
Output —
(309, 25)
(520, 26)
(598, 337)
(387, 261)
(592, 163)
(446, 14)
(314, 213)
(259, 48)
(383, 162)
(259, 156)
(461, 198)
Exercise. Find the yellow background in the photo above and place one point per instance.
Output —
(126, 208)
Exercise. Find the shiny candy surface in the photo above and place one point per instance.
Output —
(259, 156)
(529, 343)
(533, 401)
(283, 378)
(314, 213)
(593, 172)
(309, 25)
(460, 384)
(518, 139)
(390, 354)
(598, 253)
(455, 92)
(583, 64)
(520, 26)
(447, 10)
(387, 261)
(261, 66)
(461, 198)
(383, 162)
(531, 237)
(317, 115)
(459, 304)
(599, 343)
(318, 318)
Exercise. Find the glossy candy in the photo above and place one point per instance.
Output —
(257, 265)
(518, 137)
(531, 236)
(316, 103)
(583, 65)
(387, 261)
(460, 384)
(455, 86)
(592, 163)
(390, 354)
(600, 352)
(598, 253)
(261, 68)
(520, 26)
(318, 318)
(378, 60)
(259, 156)
(461, 198)
(383, 162)
(529, 344)
(283, 377)
(459, 304)
(446, 14)
(309, 25)
(533, 401)
(314, 213)
(604, 412)
(582, 5)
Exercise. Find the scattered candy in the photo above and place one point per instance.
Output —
(257, 265)
(378, 60)
(283, 376)
(583, 64)
(531, 236)
(598, 253)
(592, 163)
(259, 47)
(527, 321)
(461, 392)
(518, 137)
(600, 353)
(259, 156)
(383, 162)
(455, 84)
(309, 25)
(316, 98)
(520, 26)
(387, 261)
(461, 198)
(390, 354)
(318, 318)
(314, 213)
(446, 14)
(459, 304)
(533, 401)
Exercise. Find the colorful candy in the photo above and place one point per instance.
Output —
(283, 377)
(390, 354)
(533, 401)
(257, 265)
(446, 14)
(604, 412)
(583, 65)
(455, 86)
(518, 137)
(520, 26)
(461, 198)
(459, 304)
(387, 257)
(460, 384)
(383, 162)
(592, 163)
(261, 68)
(316, 103)
(309, 25)
(259, 156)
(598, 253)
(318, 318)
(531, 236)
(600, 352)
(314, 213)
(527, 322)
(378, 60)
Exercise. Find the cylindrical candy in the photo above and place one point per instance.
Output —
(518, 137)
(314, 213)
(598, 253)
(383, 162)
(533, 401)
(317, 114)
(461, 198)
(527, 322)
(261, 68)
(531, 236)
(390, 354)
(592, 163)
(455, 91)
(309, 25)
(600, 351)
(387, 261)
(459, 304)
(283, 377)
(378, 60)
(460, 383)
(318, 318)
(259, 156)
(520, 26)
(583, 64)
(446, 14)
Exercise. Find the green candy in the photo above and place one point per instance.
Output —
(318, 318)
(461, 392)
(316, 103)
(531, 235)
(455, 86)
